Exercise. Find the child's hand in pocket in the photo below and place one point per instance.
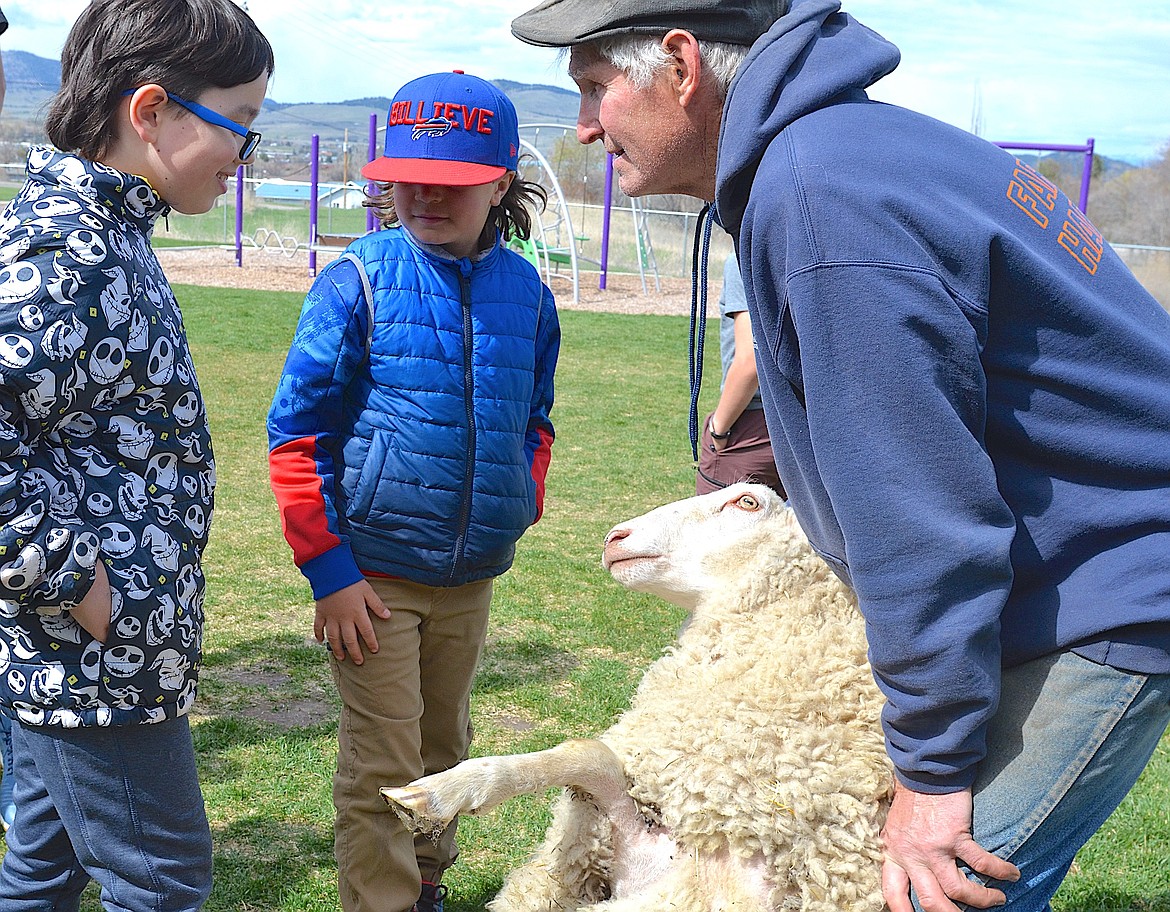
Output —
(93, 611)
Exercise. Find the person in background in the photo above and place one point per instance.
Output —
(735, 445)
(106, 469)
(968, 397)
(409, 442)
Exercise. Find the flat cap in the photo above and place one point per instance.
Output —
(563, 23)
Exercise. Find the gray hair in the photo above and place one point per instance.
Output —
(641, 56)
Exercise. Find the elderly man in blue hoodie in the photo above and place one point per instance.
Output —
(968, 395)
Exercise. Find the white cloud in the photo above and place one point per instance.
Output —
(359, 48)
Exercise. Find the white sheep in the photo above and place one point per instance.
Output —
(749, 772)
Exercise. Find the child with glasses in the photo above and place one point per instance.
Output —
(410, 437)
(106, 469)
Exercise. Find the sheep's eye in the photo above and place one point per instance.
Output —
(747, 502)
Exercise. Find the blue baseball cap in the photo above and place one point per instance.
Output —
(448, 128)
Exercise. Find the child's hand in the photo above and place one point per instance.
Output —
(344, 615)
(93, 611)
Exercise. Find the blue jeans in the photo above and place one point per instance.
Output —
(119, 805)
(1069, 741)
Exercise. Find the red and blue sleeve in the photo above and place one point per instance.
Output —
(539, 437)
(305, 426)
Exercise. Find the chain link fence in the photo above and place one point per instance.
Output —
(646, 241)
(1151, 265)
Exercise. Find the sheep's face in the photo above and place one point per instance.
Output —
(686, 549)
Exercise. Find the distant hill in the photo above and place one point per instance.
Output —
(541, 103)
(294, 124)
(1072, 164)
(32, 82)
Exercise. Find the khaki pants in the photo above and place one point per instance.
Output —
(405, 714)
(746, 457)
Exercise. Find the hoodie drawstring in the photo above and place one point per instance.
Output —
(698, 317)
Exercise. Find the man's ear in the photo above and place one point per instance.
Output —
(145, 111)
(686, 65)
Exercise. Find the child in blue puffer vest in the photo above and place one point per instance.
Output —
(409, 441)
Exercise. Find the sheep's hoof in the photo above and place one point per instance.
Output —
(413, 818)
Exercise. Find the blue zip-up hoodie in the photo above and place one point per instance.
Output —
(104, 454)
(968, 393)
(418, 450)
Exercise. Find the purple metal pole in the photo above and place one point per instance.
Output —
(240, 216)
(1041, 147)
(1087, 175)
(314, 175)
(373, 153)
(605, 219)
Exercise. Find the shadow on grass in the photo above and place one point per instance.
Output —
(295, 869)
(267, 791)
(285, 680)
(511, 662)
(265, 730)
(268, 797)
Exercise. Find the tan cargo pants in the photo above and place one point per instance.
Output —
(405, 714)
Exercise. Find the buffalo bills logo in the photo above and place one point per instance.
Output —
(436, 126)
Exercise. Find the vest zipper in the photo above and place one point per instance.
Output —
(469, 407)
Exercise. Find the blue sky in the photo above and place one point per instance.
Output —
(1051, 71)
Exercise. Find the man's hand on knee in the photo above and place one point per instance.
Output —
(925, 838)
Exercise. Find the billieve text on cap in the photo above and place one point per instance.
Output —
(448, 128)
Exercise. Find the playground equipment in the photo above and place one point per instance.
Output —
(565, 239)
(642, 239)
(646, 258)
(239, 215)
(554, 241)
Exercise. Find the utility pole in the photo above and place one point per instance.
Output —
(977, 110)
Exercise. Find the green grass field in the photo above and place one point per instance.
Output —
(567, 644)
(566, 647)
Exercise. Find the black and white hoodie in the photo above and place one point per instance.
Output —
(104, 454)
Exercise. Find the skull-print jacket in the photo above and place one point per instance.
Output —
(104, 454)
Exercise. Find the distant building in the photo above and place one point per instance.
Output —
(330, 196)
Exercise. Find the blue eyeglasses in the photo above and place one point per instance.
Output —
(251, 137)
